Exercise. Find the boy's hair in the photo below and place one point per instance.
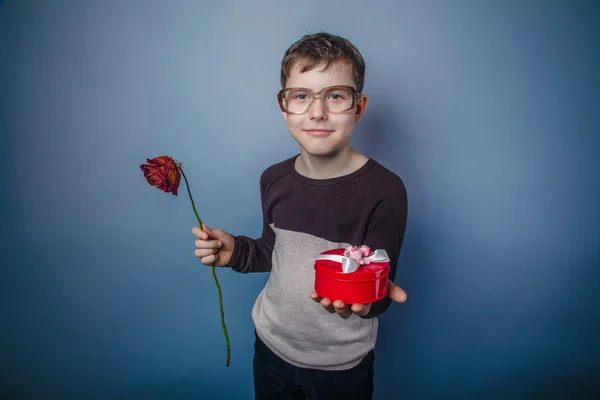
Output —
(325, 49)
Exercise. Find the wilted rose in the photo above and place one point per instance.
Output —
(163, 173)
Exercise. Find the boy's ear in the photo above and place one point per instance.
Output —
(361, 106)
(284, 116)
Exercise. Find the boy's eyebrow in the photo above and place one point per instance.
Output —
(317, 91)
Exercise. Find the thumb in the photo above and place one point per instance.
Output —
(208, 231)
(214, 233)
(396, 293)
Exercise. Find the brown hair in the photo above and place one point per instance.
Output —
(323, 49)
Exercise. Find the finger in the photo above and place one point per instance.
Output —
(199, 233)
(208, 244)
(396, 293)
(326, 303)
(315, 296)
(210, 260)
(204, 252)
(361, 309)
(342, 309)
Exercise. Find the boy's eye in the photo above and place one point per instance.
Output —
(298, 95)
(336, 96)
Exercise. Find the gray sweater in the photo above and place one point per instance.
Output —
(303, 217)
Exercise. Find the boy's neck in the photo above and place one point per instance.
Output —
(331, 166)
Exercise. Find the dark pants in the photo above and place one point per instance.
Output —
(276, 379)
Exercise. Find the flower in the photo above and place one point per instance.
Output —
(163, 173)
(360, 254)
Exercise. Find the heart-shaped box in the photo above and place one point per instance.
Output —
(367, 284)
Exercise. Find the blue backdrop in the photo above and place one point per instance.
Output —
(487, 109)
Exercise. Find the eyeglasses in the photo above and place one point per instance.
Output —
(335, 99)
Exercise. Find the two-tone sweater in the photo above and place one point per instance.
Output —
(303, 217)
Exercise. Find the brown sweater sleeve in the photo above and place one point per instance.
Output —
(385, 230)
(255, 255)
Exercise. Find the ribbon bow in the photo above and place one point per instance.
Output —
(350, 265)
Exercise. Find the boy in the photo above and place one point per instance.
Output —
(329, 196)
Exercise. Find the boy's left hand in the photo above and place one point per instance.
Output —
(345, 311)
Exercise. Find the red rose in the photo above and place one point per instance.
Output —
(163, 173)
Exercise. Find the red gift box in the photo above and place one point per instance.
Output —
(367, 284)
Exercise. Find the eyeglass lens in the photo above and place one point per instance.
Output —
(335, 100)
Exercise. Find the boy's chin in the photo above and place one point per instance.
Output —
(321, 151)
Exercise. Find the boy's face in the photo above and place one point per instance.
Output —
(319, 132)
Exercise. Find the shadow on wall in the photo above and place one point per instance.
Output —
(381, 135)
(397, 344)
(386, 134)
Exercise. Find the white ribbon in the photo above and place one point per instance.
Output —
(350, 265)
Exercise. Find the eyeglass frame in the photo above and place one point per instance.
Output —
(355, 97)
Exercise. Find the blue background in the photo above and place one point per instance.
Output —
(487, 109)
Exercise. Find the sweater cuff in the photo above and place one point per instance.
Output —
(378, 307)
(234, 261)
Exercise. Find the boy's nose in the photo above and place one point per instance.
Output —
(317, 110)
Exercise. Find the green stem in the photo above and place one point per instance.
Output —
(214, 272)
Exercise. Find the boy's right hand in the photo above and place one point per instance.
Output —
(214, 246)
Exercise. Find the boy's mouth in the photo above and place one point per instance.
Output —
(318, 132)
